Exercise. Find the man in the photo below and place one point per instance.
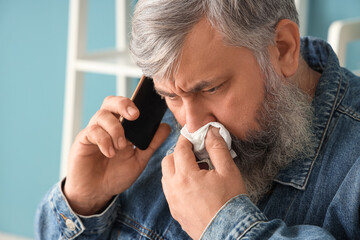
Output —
(294, 119)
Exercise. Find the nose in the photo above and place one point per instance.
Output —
(197, 114)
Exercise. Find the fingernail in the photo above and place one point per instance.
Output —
(132, 111)
(215, 131)
(111, 151)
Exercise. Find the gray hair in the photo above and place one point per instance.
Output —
(159, 28)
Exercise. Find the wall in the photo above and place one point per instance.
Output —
(32, 62)
(323, 12)
(33, 41)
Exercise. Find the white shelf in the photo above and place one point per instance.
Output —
(108, 62)
(302, 7)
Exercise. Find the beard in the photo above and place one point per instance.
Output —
(285, 120)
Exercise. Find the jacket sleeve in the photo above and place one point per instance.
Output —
(239, 218)
(56, 220)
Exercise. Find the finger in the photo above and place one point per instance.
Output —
(111, 125)
(121, 106)
(168, 166)
(97, 135)
(184, 157)
(218, 151)
(160, 136)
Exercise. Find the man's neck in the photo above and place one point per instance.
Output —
(309, 79)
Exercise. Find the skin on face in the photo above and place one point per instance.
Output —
(214, 82)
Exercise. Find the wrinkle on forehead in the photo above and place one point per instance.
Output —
(202, 34)
(202, 52)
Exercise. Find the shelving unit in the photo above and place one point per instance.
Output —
(340, 34)
(115, 62)
(302, 7)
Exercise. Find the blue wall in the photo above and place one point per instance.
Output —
(33, 41)
(32, 62)
(33, 44)
(323, 12)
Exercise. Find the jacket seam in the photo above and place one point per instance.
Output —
(342, 96)
(139, 228)
(249, 228)
(333, 109)
(290, 205)
(168, 228)
(349, 112)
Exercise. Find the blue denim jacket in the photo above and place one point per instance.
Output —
(315, 198)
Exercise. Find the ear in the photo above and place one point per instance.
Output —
(287, 47)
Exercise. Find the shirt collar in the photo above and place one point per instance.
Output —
(329, 92)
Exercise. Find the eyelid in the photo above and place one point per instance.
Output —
(213, 89)
(171, 96)
(164, 95)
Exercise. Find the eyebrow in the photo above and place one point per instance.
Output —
(164, 93)
(198, 87)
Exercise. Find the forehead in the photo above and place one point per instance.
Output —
(205, 56)
(203, 50)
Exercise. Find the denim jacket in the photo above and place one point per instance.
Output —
(314, 198)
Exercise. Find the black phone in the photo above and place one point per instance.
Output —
(152, 108)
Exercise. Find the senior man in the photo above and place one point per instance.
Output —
(292, 111)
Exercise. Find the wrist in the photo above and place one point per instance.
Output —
(84, 204)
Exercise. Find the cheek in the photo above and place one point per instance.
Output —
(237, 112)
(177, 112)
(180, 118)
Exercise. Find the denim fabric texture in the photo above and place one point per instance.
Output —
(314, 198)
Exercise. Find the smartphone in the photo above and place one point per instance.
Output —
(152, 108)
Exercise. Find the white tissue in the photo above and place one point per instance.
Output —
(197, 138)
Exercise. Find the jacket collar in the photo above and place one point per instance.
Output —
(329, 93)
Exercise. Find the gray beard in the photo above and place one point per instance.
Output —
(285, 120)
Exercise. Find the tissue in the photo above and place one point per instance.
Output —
(197, 138)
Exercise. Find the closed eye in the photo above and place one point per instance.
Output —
(166, 94)
(213, 90)
(172, 97)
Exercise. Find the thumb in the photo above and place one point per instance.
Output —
(160, 136)
(218, 151)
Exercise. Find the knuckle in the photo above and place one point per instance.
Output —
(104, 140)
(108, 98)
(93, 128)
(218, 145)
(180, 147)
(99, 115)
(181, 180)
(117, 128)
(123, 102)
(165, 162)
(164, 183)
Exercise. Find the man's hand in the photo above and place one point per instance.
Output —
(195, 196)
(102, 163)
